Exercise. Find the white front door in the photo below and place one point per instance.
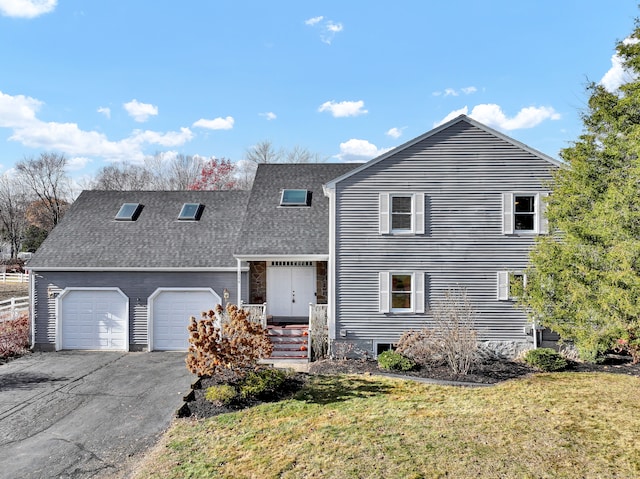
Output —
(290, 289)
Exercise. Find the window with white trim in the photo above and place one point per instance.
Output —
(523, 213)
(401, 292)
(401, 213)
(511, 285)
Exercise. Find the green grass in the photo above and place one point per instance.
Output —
(546, 426)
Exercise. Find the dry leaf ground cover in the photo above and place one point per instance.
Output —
(572, 425)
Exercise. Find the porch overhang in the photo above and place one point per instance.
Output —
(283, 257)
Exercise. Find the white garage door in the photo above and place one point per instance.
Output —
(93, 319)
(171, 311)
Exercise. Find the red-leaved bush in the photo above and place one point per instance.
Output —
(14, 336)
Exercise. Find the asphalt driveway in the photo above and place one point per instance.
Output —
(85, 414)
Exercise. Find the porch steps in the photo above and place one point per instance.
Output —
(290, 341)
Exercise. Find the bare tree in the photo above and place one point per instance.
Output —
(45, 177)
(13, 201)
(299, 154)
(263, 152)
(158, 172)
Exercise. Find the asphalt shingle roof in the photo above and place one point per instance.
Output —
(270, 229)
(90, 237)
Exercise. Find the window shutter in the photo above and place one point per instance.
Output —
(419, 219)
(419, 292)
(503, 286)
(507, 213)
(543, 224)
(384, 291)
(384, 213)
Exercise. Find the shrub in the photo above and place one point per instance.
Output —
(452, 340)
(394, 361)
(14, 336)
(225, 340)
(545, 359)
(262, 382)
(420, 346)
(221, 395)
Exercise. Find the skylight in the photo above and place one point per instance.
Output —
(129, 212)
(191, 211)
(295, 198)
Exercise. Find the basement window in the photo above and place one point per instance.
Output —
(295, 198)
(191, 211)
(129, 212)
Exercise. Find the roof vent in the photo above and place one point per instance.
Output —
(129, 212)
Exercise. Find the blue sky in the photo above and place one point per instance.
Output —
(110, 81)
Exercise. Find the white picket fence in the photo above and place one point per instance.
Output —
(14, 277)
(11, 308)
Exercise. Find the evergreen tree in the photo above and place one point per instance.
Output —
(584, 278)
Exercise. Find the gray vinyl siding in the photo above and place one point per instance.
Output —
(137, 286)
(462, 171)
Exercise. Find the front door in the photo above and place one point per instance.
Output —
(291, 286)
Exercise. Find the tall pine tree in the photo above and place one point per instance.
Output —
(584, 278)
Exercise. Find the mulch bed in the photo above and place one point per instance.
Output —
(490, 372)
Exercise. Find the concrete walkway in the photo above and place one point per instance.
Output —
(85, 414)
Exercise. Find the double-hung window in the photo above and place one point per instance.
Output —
(401, 213)
(523, 213)
(401, 292)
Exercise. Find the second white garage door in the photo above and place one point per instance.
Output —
(170, 313)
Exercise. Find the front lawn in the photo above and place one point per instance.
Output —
(573, 425)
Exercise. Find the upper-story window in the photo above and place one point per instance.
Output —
(523, 213)
(190, 212)
(402, 213)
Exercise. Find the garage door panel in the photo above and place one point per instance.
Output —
(171, 313)
(94, 319)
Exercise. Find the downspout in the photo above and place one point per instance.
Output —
(32, 306)
(239, 281)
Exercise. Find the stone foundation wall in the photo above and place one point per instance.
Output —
(322, 288)
(257, 282)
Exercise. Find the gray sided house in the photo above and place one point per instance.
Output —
(361, 251)
(124, 270)
(458, 207)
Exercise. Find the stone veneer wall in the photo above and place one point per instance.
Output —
(322, 293)
(257, 282)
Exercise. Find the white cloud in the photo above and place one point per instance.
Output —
(359, 150)
(314, 20)
(26, 8)
(618, 75)
(344, 108)
(493, 116)
(394, 132)
(269, 115)
(77, 163)
(328, 28)
(106, 111)
(453, 92)
(215, 124)
(18, 113)
(140, 112)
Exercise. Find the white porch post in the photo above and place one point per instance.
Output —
(239, 282)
